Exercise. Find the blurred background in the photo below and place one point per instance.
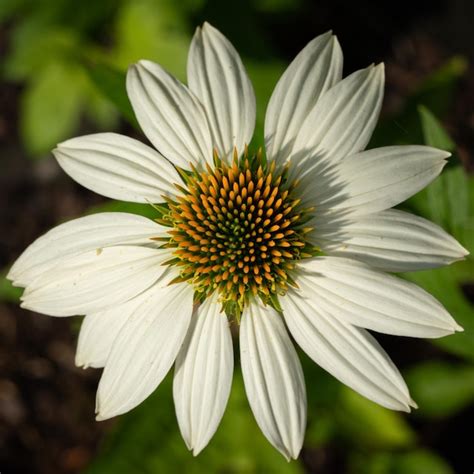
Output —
(63, 65)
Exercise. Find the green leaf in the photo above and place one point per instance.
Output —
(277, 6)
(441, 389)
(264, 77)
(50, 107)
(146, 210)
(155, 30)
(437, 91)
(111, 84)
(367, 424)
(99, 109)
(433, 132)
(8, 292)
(449, 202)
(148, 441)
(420, 461)
(443, 284)
(38, 45)
(9, 8)
(321, 428)
(446, 201)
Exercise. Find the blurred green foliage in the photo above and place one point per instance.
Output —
(149, 441)
(8, 292)
(418, 461)
(61, 58)
(72, 67)
(441, 389)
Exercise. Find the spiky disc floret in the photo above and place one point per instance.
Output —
(238, 230)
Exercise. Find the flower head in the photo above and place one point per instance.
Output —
(295, 240)
(238, 231)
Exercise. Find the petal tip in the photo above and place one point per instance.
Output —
(101, 413)
(285, 454)
(196, 450)
(404, 408)
(458, 328)
(294, 454)
(327, 35)
(379, 69)
(11, 275)
(413, 404)
(141, 64)
(132, 73)
(25, 305)
(69, 143)
(59, 152)
(459, 252)
(289, 453)
(207, 28)
(81, 361)
(17, 282)
(101, 417)
(444, 154)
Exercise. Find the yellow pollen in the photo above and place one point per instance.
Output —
(237, 230)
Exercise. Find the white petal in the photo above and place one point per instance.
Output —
(170, 115)
(145, 349)
(354, 293)
(391, 240)
(351, 354)
(99, 331)
(218, 78)
(273, 378)
(80, 235)
(118, 167)
(203, 375)
(373, 180)
(343, 119)
(95, 280)
(316, 69)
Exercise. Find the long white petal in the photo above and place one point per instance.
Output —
(99, 331)
(273, 378)
(95, 280)
(391, 240)
(218, 78)
(343, 119)
(171, 116)
(203, 375)
(317, 68)
(354, 293)
(373, 180)
(351, 354)
(118, 167)
(145, 349)
(80, 235)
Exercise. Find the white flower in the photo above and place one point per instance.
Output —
(244, 244)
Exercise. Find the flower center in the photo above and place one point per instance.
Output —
(238, 230)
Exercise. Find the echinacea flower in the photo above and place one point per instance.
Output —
(293, 241)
